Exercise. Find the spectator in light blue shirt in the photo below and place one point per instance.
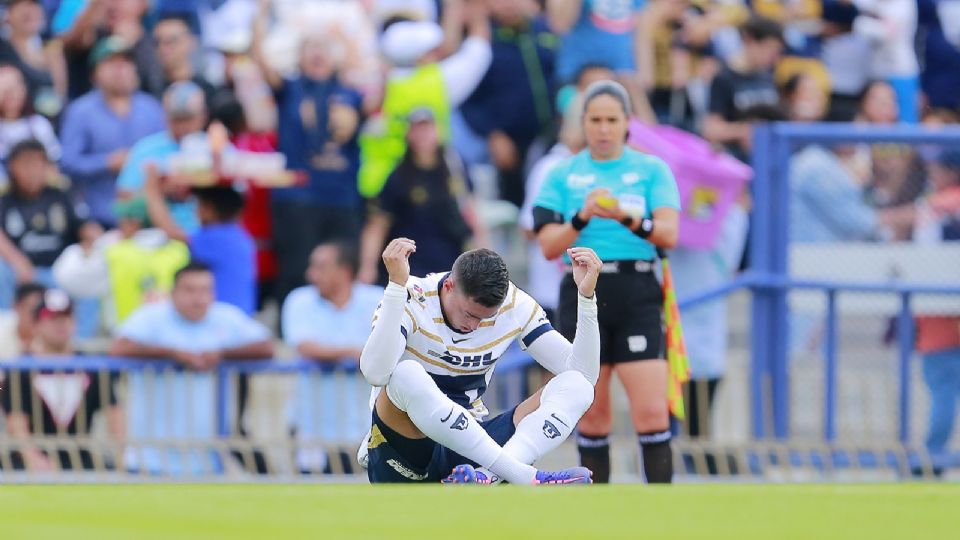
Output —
(196, 333)
(100, 127)
(328, 321)
(186, 110)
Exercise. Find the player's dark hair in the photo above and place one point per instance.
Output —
(348, 254)
(226, 202)
(192, 267)
(758, 28)
(482, 276)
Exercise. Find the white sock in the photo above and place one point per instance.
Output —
(413, 391)
(563, 401)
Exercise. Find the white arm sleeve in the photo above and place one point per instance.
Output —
(464, 69)
(556, 354)
(387, 339)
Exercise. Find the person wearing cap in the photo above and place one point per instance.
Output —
(186, 112)
(744, 82)
(57, 403)
(176, 48)
(197, 333)
(625, 206)
(421, 77)
(99, 20)
(427, 199)
(99, 127)
(318, 120)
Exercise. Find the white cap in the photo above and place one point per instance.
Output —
(406, 42)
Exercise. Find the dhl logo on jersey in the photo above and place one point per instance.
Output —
(465, 361)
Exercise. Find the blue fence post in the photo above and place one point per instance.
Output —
(905, 341)
(223, 401)
(779, 321)
(830, 370)
(760, 261)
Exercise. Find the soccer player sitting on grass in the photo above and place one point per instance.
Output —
(432, 352)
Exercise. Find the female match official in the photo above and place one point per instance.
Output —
(623, 204)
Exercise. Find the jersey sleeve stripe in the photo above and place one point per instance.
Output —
(536, 333)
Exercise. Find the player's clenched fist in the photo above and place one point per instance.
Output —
(586, 269)
(396, 257)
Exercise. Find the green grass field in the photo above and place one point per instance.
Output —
(713, 512)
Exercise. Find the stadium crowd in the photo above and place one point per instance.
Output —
(414, 118)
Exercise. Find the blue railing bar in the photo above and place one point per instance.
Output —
(512, 359)
(905, 341)
(825, 132)
(760, 252)
(830, 370)
(742, 281)
(779, 323)
(899, 287)
(223, 402)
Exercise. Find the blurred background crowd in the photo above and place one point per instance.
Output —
(430, 119)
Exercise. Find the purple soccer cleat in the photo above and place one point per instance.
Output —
(575, 475)
(466, 474)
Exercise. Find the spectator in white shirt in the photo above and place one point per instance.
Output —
(328, 321)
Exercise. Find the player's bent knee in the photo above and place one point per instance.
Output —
(574, 389)
(407, 378)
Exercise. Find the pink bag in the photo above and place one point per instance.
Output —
(709, 181)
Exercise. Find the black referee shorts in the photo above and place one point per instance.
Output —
(629, 305)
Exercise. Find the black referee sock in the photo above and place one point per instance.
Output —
(657, 457)
(595, 455)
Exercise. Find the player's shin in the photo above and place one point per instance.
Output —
(563, 401)
(413, 391)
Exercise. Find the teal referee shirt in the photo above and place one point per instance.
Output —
(641, 182)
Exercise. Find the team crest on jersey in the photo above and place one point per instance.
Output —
(418, 293)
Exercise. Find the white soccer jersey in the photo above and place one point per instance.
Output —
(462, 364)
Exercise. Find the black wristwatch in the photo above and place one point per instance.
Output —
(577, 222)
(645, 229)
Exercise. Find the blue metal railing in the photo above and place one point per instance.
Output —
(769, 275)
(514, 359)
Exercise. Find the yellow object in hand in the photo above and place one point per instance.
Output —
(606, 201)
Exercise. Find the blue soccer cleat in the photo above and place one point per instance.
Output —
(575, 475)
(466, 474)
